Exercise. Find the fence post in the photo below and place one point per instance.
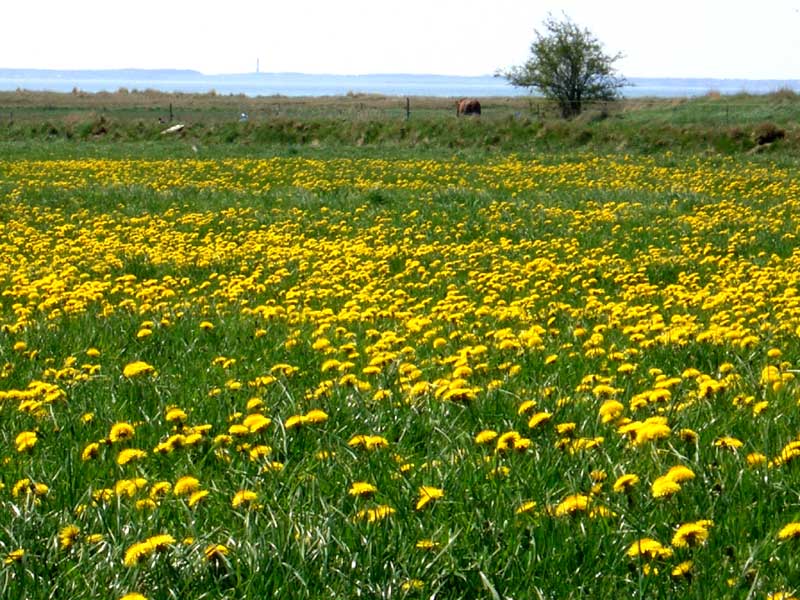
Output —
(170, 112)
(408, 108)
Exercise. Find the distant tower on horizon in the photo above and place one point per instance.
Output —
(257, 65)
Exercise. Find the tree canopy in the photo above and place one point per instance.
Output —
(568, 65)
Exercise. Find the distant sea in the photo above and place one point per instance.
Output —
(298, 84)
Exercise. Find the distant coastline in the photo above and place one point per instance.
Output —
(301, 84)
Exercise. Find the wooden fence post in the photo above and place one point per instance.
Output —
(408, 108)
(170, 112)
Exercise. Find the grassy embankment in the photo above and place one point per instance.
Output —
(710, 124)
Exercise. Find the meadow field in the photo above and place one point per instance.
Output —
(371, 374)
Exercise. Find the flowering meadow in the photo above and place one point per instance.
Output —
(570, 377)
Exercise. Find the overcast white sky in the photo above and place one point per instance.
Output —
(664, 38)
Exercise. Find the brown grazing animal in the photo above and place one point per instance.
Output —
(468, 106)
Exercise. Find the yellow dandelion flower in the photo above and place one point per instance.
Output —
(427, 494)
(412, 585)
(357, 440)
(237, 429)
(160, 542)
(136, 553)
(572, 504)
(196, 497)
(755, 459)
(648, 548)
(790, 531)
(160, 489)
(427, 545)
(259, 452)
(215, 552)
(501, 471)
(22, 486)
(381, 395)
(68, 535)
(125, 487)
(538, 419)
(90, 451)
(294, 421)
(133, 596)
(362, 489)
(664, 487)
(566, 428)
(14, 556)
(146, 504)
(610, 410)
(39, 489)
(186, 485)
(682, 570)
(255, 404)
(598, 476)
(256, 422)
(138, 368)
(485, 436)
(780, 596)
(691, 534)
(770, 375)
(244, 498)
(206, 325)
(26, 441)
(680, 474)
(625, 483)
(272, 466)
(103, 495)
(602, 512)
(507, 440)
(789, 452)
(521, 444)
(175, 415)
(604, 391)
(121, 432)
(372, 515)
(373, 442)
(369, 442)
(649, 432)
(316, 416)
(526, 507)
(130, 455)
(728, 442)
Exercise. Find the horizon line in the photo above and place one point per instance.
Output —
(372, 74)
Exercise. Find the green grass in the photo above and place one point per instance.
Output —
(414, 259)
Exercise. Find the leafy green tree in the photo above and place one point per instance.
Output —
(568, 65)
